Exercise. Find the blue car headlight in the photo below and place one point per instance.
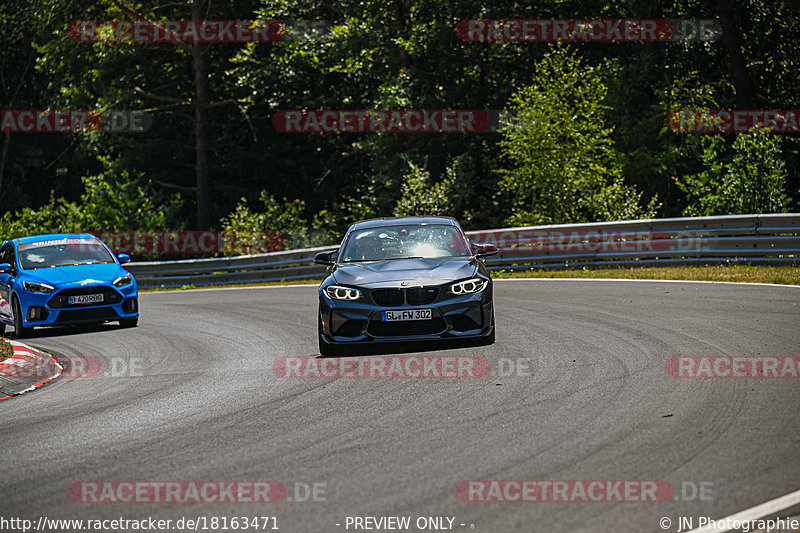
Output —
(342, 293)
(34, 286)
(121, 281)
(467, 287)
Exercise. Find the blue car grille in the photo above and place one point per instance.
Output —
(61, 299)
(86, 315)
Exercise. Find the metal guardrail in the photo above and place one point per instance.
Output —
(755, 239)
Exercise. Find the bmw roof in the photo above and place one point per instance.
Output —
(402, 221)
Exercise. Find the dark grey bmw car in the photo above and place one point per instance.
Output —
(404, 279)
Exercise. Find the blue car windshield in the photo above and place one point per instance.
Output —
(405, 242)
(62, 252)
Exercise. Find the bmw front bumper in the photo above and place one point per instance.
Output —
(361, 321)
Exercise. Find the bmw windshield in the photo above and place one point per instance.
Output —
(63, 252)
(405, 242)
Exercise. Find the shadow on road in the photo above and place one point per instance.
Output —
(61, 331)
(404, 347)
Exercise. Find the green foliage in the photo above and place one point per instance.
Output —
(564, 165)
(461, 192)
(617, 201)
(119, 201)
(421, 197)
(595, 147)
(746, 177)
(112, 201)
(55, 217)
(286, 218)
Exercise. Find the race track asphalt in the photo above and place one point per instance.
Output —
(192, 396)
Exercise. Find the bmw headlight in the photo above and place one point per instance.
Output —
(33, 286)
(467, 287)
(342, 293)
(123, 280)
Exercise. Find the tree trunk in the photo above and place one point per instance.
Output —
(7, 135)
(3, 157)
(200, 55)
(733, 43)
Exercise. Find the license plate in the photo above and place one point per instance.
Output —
(410, 314)
(86, 299)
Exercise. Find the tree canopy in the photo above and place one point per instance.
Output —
(585, 135)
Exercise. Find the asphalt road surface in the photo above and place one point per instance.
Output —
(584, 395)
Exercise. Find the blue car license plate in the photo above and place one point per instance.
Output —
(86, 299)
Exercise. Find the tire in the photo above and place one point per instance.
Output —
(490, 338)
(324, 348)
(20, 331)
(129, 322)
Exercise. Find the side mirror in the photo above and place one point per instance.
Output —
(485, 250)
(124, 258)
(5, 268)
(325, 258)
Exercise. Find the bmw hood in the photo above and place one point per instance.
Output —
(104, 273)
(415, 272)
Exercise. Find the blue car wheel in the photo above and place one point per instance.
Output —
(20, 331)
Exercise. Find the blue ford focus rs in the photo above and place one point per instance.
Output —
(63, 279)
(404, 279)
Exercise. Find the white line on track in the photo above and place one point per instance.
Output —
(739, 283)
(171, 291)
(620, 280)
(753, 513)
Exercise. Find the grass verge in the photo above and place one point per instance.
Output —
(783, 275)
(240, 285)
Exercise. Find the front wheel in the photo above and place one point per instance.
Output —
(20, 331)
(489, 339)
(324, 347)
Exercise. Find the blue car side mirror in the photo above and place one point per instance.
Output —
(5, 268)
(123, 258)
